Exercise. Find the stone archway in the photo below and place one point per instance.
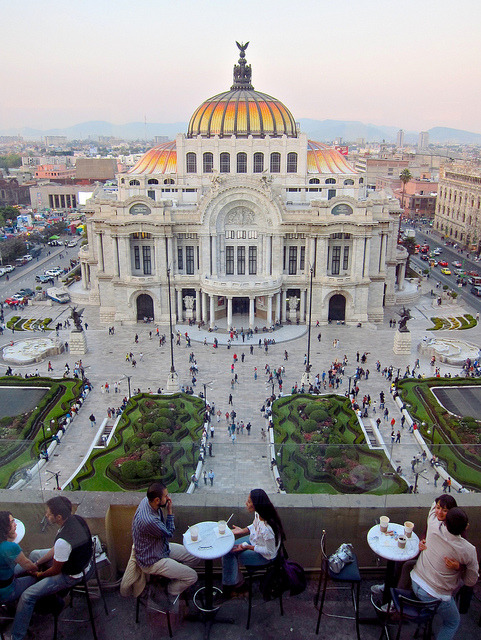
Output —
(145, 307)
(337, 307)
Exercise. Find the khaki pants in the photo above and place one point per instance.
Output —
(177, 567)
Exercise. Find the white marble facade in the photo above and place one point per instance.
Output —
(240, 211)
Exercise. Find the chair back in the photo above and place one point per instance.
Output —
(412, 608)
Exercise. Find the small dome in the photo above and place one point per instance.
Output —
(242, 111)
(324, 159)
(159, 159)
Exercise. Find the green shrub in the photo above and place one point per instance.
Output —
(332, 452)
(133, 443)
(165, 412)
(163, 424)
(309, 425)
(310, 407)
(129, 470)
(144, 469)
(317, 437)
(319, 415)
(158, 437)
(150, 427)
(151, 456)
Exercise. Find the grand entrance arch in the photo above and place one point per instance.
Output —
(337, 307)
(145, 307)
(240, 306)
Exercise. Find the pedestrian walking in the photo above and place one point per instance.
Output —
(230, 399)
(209, 447)
(233, 436)
(211, 430)
(436, 478)
(210, 475)
(205, 477)
(92, 420)
(398, 437)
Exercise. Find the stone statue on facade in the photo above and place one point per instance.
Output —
(77, 318)
(293, 302)
(189, 302)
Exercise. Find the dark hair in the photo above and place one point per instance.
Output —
(155, 490)
(267, 512)
(60, 506)
(456, 521)
(446, 501)
(5, 525)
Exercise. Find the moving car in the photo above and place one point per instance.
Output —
(476, 291)
(72, 243)
(443, 263)
(424, 257)
(437, 251)
(458, 265)
(43, 279)
(447, 272)
(16, 299)
(56, 271)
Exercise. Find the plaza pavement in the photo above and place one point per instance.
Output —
(241, 466)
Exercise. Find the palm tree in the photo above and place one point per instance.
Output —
(405, 176)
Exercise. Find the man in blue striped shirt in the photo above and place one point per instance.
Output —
(151, 534)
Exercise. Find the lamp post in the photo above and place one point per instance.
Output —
(306, 378)
(172, 382)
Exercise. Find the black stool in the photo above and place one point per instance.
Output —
(143, 599)
(254, 572)
(348, 575)
(411, 609)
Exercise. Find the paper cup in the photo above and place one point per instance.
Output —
(194, 533)
(222, 526)
(408, 528)
(383, 523)
(401, 542)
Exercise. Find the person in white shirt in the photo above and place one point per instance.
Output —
(257, 544)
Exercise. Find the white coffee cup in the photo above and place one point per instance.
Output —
(194, 533)
(383, 523)
(408, 528)
(401, 542)
(222, 526)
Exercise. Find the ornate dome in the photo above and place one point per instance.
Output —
(242, 111)
(322, 158)
(159, 159)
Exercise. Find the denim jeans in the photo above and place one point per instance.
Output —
(28, 599)
(19, 586)
(230, 563)
(447, 610)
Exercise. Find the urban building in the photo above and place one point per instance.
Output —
(423, 141)
(400, 138)
(242, 214)
(458, 207)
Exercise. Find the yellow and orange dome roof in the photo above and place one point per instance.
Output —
(322, 158)
(160, 159)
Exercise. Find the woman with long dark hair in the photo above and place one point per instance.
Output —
(11, 556)
(258, 543)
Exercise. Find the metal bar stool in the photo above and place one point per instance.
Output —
(411, 609)
(143, 598)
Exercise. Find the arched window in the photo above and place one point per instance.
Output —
(207, 162)
(330, 181)
(169, 181)
(258, 162)
(152, 181)
(134, 183)
(275, 162)
(242, 162)
(314, 181)
(292, 162)
(361, 180)
(122, 181)
(191, 163)
(225, 163)
(349, 182)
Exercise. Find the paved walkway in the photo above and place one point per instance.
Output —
(238, 467)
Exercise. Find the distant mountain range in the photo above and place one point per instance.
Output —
(320, 130)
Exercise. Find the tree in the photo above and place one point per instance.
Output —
(405, 176)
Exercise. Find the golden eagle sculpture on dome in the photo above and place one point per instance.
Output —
(242, 71)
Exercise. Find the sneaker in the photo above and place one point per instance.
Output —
(377, 589)
(384, 608)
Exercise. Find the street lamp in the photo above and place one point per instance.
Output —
(205, 385)
(172, 384)
(128, 381)
(306, 378)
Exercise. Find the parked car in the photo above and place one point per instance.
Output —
(27, 257)
(43, 279)
(53, 273)
(54, 243)
(58, 295)
(26, 292)
(447, 272)
(8, 268)
(16, 299)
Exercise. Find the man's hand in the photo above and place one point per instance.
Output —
(451, 563)
(168, 505)
(422, 545)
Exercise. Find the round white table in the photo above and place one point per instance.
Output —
(20, 531)
(386, 546)
(208, 547)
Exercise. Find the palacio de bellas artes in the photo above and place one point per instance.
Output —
(242, 214)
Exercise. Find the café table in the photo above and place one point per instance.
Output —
(20, 531)
(386, 546)
(210, 546)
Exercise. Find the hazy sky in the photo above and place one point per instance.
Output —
(411, 64)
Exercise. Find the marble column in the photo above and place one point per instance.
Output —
(170, 261)
(84, 275)
(284, 306)
(303, 306)
(197, 305)
(204, 307)
(179, 306)
(125, 255)
(100, 252)
(116, 269)
(269, 310)
(214, 255)
(212, 311)
(278, 307)
(229, 312)
(402, 275)
(251, 312)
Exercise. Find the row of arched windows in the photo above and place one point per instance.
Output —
(136, 183)
(259, 163)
